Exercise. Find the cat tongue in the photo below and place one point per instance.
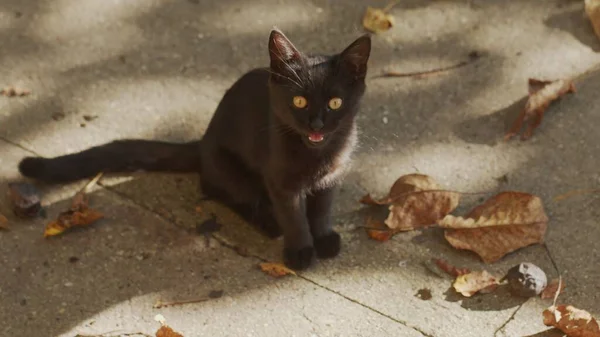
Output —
(315, 137)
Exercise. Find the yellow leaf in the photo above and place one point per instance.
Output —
(377, 20)
(276, 269)
(474, 282)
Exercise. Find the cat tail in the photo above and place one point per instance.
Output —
(122, 156)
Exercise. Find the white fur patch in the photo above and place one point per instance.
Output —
(340, 165)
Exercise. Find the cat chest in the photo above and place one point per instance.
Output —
(334, 171)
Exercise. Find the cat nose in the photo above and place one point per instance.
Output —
(316, 124)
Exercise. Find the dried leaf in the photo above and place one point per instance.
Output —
(376, 230)
(417, 201)
(276, 269)
(450, 269)
(25, 199)
(503, 224)
(80, 214)
(572, 321)
(165, 330)
(12, 92)
(541, 94)
(552, 288)
(3, 222)
(592, 9)
(377, 20)
(472, 283)
(421, 209)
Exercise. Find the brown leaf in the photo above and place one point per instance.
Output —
(472, 283)
(12, 92)
(376, 230)
(377, 20)
(3, 222)
(166, 331)
(368, 200)
(552, 288)
(541, 94)
(276, 269)
(420, 209)
(80, 214)
(417, 201)
(450, 269)
(25, 199)
(592, 9)
(503, 224)
(572, 321)
(70, 219)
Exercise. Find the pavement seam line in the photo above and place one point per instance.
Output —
(512, 316)
(254, 256)
(19, 146)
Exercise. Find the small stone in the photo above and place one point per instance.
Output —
(526, 280)
(68, 284)
(385, 120)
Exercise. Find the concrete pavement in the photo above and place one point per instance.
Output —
(157, 69)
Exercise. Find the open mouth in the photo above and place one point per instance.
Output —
(316, 137)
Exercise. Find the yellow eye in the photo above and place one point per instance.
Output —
(300, 102)
(335, 103)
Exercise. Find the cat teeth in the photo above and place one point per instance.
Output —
(315, 137)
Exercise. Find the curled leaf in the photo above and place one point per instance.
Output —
(503, 224)
(417, 201)
(276, 269)
(572, 321)
(472, 283)
(80, 214)
(541, 94)
(377, 20)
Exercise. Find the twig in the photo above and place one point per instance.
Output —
(473, 56)
(159, 304)
(574, 193)
(92, 182)
(112, 334)
(557, 291)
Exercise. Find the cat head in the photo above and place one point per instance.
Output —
(317, 96)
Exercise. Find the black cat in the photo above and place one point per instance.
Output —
(279, 142)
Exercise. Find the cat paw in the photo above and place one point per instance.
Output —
(298, 259)
(328, 246)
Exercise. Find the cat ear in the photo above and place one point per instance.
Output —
(355, 57)
(282, 52)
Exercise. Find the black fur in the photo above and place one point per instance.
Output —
(259, 155)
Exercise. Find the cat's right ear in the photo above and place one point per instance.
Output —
(282, 52)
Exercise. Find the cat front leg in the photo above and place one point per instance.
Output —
(318, 210)
(290, 212)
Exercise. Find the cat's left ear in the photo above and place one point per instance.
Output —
(356, 56)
